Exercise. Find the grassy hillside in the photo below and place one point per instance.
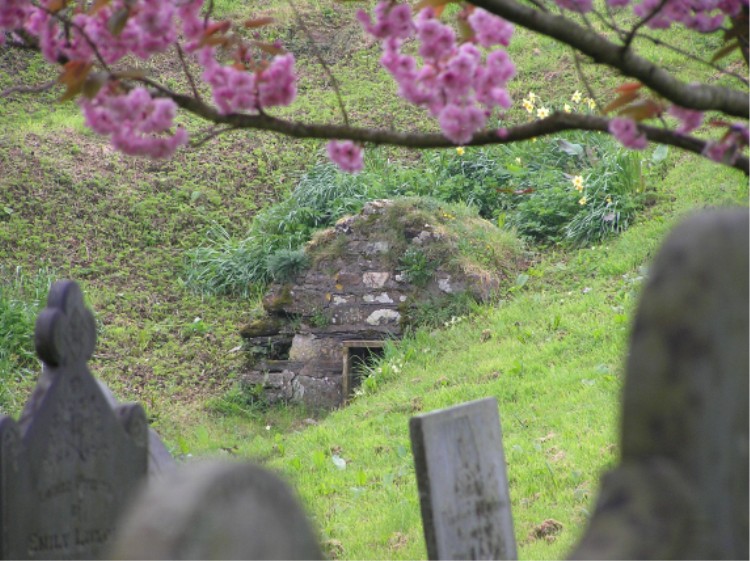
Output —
(551, 351)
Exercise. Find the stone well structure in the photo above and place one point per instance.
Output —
(353, 297)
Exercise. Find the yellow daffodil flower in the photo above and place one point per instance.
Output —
(582, 201)
(578, 183)
(460, 151)
(528, 105)
(567, 108)
(590, 102)
(576, 97)
(518, 161)
(542, 112)
(609, 200)
(532, 97)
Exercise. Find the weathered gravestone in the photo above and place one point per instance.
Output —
(681, 489)
(462, 481)
(216, 510)
(71, 462)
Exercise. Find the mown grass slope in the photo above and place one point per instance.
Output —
(551, 352)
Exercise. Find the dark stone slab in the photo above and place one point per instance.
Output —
(463, 486)
(72, 462)
(217, 510)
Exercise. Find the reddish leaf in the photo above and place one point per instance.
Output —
(270, 48)
(258, 22)
(465, 31)
(214, 36)
(622, 100)
(55, 6)
(118, 20)
(629, 87)
(437, 5)
(98, 5)
(642, 110)
(73, 76)
(93, 84)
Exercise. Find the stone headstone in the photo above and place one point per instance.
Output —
(681, 489)
(71, 463)
(462, 480)
(216, 510)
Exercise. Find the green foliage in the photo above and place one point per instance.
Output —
(240, 400)
(524, 186)
(286, 264)
(417, 266)
(544, 204)
(22, 296)
(225, 265)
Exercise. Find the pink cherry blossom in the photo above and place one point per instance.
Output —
(135, 122)
(490, 29)
(346, 154)
(278, 82)
(459, 123)
(690, 119)
(627, 133)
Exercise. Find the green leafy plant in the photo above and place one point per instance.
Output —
(285, 264)
(417, 266)
(22, 296)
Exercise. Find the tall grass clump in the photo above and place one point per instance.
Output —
(575, 189)
(528, 187)
(22, 296)
(224, 265)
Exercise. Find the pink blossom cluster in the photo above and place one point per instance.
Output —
(134, 121)
(346, 154)
(730, 146)
(690, 119)
(704, 16)
(453, 83)
(147, 27)
(627, 133)
(144, 28)
(13, 14)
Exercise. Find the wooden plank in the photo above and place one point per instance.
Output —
(462, 481)
(364, 344)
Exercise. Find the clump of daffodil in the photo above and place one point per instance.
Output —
(590, 102)
(578, 183)
(582, 201)
(576, 97)
(460, 150)
(542, 112)
(528, 105)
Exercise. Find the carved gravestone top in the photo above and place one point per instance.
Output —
(462, 480)
(216, 510)
(71, 462)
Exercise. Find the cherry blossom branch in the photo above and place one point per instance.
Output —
(701, 97)
(555, 123)
(29, 89)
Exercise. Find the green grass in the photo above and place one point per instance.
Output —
(121, 227)
(554, 360)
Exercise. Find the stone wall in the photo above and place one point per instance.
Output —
(355, 289)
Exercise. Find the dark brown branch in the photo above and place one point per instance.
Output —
(702, 97)
(29, 89)
(555, 123)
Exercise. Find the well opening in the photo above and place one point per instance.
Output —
(357, 357)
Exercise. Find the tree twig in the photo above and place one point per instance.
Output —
(703, 97)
